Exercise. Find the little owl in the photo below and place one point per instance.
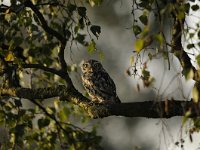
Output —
(97, 83)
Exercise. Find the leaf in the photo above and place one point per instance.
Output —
(195, 94)
(80, 38)
(198, 34)
(18, 40)
(137, 30)
(82, 11)
(18, 103)
(95, 2)
(71, 7)
(150, 56)
(91, 47)
(43, 122)
(195, 7)
(64, 114)
(143, 18)
(146, 74)
(9, 56)
(139, 44)
(198, 59)
(188, 73)
(101, 55)
(187, 7)
(189, 46)
(159, 38)
(96, 30)
(132, 60)
(186, 116)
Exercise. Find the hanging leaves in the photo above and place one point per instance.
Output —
(95, 2)
(198, 60)
(82, 11)
(139, 44)
(195, 93)
(96, 30)
(143, 18)
(137, 30)
(91, 47)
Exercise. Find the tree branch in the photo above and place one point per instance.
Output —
(149, 109)
(177, 48)
(43, 22)
(63, 40)
(40, 66)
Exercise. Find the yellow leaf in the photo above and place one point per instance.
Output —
(139, 44)
(132, 60)
(195, 94)
(9, 56)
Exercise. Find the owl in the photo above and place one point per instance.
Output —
(97, 83)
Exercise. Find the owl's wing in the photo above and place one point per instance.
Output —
(104, 83)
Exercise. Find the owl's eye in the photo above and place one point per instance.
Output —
(85, 65)
(96, 65)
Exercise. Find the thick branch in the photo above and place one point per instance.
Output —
(149, 109)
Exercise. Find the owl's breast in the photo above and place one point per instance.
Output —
(87, 79)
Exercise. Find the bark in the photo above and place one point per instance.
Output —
(148, 109)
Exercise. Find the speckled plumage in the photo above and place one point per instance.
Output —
(98, 83)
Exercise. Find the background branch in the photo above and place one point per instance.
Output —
(43, 22)
(177, 47)
(40, 66)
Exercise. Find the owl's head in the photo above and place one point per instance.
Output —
(90, 66)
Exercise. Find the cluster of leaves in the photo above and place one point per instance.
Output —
(149, 29)
(29, 128)
(149, 26)
(25, 39)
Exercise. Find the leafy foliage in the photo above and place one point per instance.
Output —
(32, 37)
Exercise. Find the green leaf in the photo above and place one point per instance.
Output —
(96, 30)
(195, 94)
(187, 7)
(195, 7)
(198, 59)
(196, 122)
(71, 7)
(43, 122)
(146, 74)
(150, 56)
(91, 47)
(101, 55)
(18, 103)
(186, 116)
(18, 40)
(139, 44)
(137, 30)
(132, 60)
(181, 15)
(159, 38)
(189, 46)
(64, 114)
(80, 38)
(143, 18)
(188, 73)
(82, 11)
(95, 2)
